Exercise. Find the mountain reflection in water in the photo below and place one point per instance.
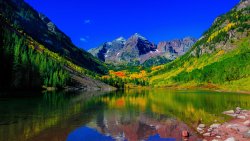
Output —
(123, 115)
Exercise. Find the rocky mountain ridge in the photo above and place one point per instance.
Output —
(138, 49)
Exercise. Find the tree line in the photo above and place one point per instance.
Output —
(25, 68)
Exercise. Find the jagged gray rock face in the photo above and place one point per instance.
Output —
(137, 49)
(243, 4)
(175, 48)
(109, 51)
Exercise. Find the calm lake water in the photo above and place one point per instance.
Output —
(122, 115)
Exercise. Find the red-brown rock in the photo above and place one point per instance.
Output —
(185, 133)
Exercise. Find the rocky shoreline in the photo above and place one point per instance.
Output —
(237, 129)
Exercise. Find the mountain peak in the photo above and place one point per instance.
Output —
(137, 35)
(137, 49)
(189, 38)
(120, 39)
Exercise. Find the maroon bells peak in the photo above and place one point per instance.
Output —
(138, 49)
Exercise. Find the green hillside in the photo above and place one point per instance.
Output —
(34, 53)
(23, 18)
(219, 60)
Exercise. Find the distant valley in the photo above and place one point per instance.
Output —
(38, 55)
(125, 89)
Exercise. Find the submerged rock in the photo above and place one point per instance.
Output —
(230, 139)
(246, 134)
(210, 129)
(214, 126)
(229, 112)
(247, 123)
(218, 137)
(200, 129)
(238, 110)
(241, 117)
(244, 111)
(233, 115)
(233, 127)
(202, 126)
(207, 134)
(237, 129)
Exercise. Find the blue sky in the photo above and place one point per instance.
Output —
(90, 23)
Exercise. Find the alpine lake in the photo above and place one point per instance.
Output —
(159, 114)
